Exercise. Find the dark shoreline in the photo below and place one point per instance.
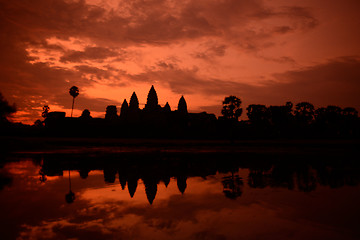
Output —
(46, 144)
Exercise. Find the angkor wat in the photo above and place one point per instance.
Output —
(301, 120)
(151, 121)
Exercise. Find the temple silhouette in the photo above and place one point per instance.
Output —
(290, 121)
(151, 121)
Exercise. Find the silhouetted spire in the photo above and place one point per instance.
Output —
(122, 180)
(181, 183)
(166, 180)
(150, 190)
(124, 108)
(182, 107)
(152, 100)
(134, 102)
(167, 107)
(132, 185)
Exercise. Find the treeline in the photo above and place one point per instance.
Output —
(301, 120)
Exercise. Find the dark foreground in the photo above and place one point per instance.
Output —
(143, 189)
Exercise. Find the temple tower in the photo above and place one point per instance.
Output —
(134, 102)
(167, 108)
(152, 100)
(182, 107)
(124, 108)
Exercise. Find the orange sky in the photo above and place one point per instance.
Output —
(264, 52)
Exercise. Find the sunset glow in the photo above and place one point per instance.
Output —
(264, 52)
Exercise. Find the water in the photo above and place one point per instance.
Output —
(179, 195)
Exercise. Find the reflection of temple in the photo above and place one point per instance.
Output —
(232, 186)
(152, 120)
(154, 168)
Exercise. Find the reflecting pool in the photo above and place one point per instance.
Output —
(179, 195)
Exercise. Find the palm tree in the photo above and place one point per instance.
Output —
(74, 92)
(70, 197)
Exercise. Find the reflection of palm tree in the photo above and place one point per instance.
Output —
(43, 177)
(70, 197)
(74, 92)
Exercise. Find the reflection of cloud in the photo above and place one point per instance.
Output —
(212, 218)
(92, 229)
(202, 212)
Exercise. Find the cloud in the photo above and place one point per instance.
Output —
(212, 50)
(335, 82)
(151, 22)
(95, 44)
(90, 53)
(84, 102)
(187, 80)
(283, 59)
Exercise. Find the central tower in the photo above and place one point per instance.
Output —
(152, 100)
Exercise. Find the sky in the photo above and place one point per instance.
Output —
(264, 52)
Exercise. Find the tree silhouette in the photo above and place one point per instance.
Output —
(231, 108)
(304, 112)
(5, 109)
(280, 115)
(111, 112)
(38, 123)
(74, 92)
(350, 112)
(332, 120)
(281, 118)
(45, 112)
(85, 114)
(258, 114)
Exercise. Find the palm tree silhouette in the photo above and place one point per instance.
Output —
(74, 92)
